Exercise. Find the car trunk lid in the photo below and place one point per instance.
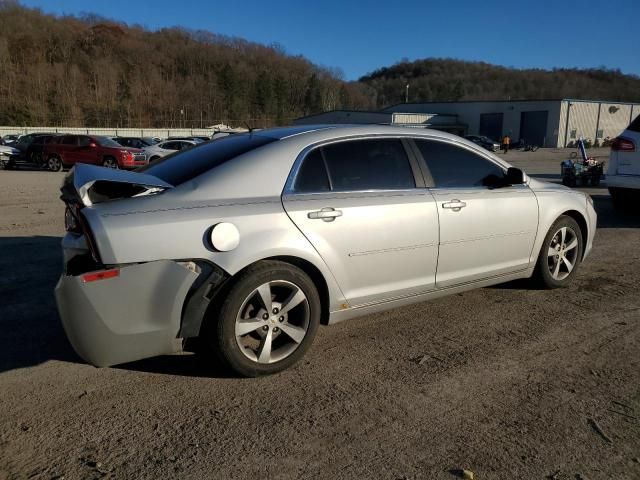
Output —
(89, 185)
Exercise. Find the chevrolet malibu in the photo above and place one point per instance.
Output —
(249, 243)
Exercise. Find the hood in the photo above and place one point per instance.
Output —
(539, 185)
(91, 184)
(8, 150)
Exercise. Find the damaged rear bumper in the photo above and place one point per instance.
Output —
(129, 317)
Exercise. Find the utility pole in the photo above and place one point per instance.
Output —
(406, 94)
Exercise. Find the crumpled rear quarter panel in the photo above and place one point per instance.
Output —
(133, 316)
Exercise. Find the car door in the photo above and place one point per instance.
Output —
(169, 147)
(484, 232)
(85, 153)
(363, 206)
(67, 149)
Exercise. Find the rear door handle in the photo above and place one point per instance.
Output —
(455, 205)
(327, 214)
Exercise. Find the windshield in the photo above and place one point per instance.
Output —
(107, 142)
(186, 165)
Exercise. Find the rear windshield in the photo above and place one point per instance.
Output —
(635, 125)
(185, 165)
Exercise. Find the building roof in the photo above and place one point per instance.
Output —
(513, 101)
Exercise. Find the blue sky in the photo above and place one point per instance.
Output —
(360, 36)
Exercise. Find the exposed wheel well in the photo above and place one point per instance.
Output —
(318, 279)
(307, 267)
(582, 223)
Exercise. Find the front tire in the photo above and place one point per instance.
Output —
(560, 255)
(267, 321)
(110, 162)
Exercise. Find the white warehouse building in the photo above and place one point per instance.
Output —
(549, 123)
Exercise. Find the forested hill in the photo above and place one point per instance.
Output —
(88, 71)
(450, 80)
(94, 72)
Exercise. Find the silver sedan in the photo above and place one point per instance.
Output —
(249, 243)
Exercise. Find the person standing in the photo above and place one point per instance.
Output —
(506, 141)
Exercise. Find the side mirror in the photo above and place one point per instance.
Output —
(92, 145)
(514, 176)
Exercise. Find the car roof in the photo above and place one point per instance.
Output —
(313, 133)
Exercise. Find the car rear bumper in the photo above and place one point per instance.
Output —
(132, 316)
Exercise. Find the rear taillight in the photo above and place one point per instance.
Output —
(621, 144)
(103, 275)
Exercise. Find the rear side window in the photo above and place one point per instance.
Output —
(169, 146)
(312, 176)
(69, 140)
(456, 167)
(635, 125)
(186, 165)
(357, 165)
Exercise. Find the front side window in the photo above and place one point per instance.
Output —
(456, 167)
(357, 165)
(84, 141)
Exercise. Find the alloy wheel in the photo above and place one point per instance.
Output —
(54, 164)
(563, 253)
(110, 163)
(272, 321)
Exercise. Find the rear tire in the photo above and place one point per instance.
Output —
(560, 254)
(267, 321)
(54, 164)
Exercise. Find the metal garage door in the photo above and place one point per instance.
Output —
(533, 127)
(491, 125)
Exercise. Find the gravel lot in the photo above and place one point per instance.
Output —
(508, 382)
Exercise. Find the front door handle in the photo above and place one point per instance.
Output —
(327, 214)
(455, 204)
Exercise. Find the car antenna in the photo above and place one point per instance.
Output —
(249, 127)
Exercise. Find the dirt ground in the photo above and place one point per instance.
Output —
(508, 382)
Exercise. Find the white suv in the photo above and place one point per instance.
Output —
(623, 176)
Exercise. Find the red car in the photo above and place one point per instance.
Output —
(67, 150)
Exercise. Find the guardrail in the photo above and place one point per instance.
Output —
(113, 132)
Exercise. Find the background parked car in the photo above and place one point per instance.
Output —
(6, 152)
(165, 148)
(484, 142)
(68, 150)
(623, 176)
(9, 139)
(30, 150)
(134, 142)
(194, 139)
